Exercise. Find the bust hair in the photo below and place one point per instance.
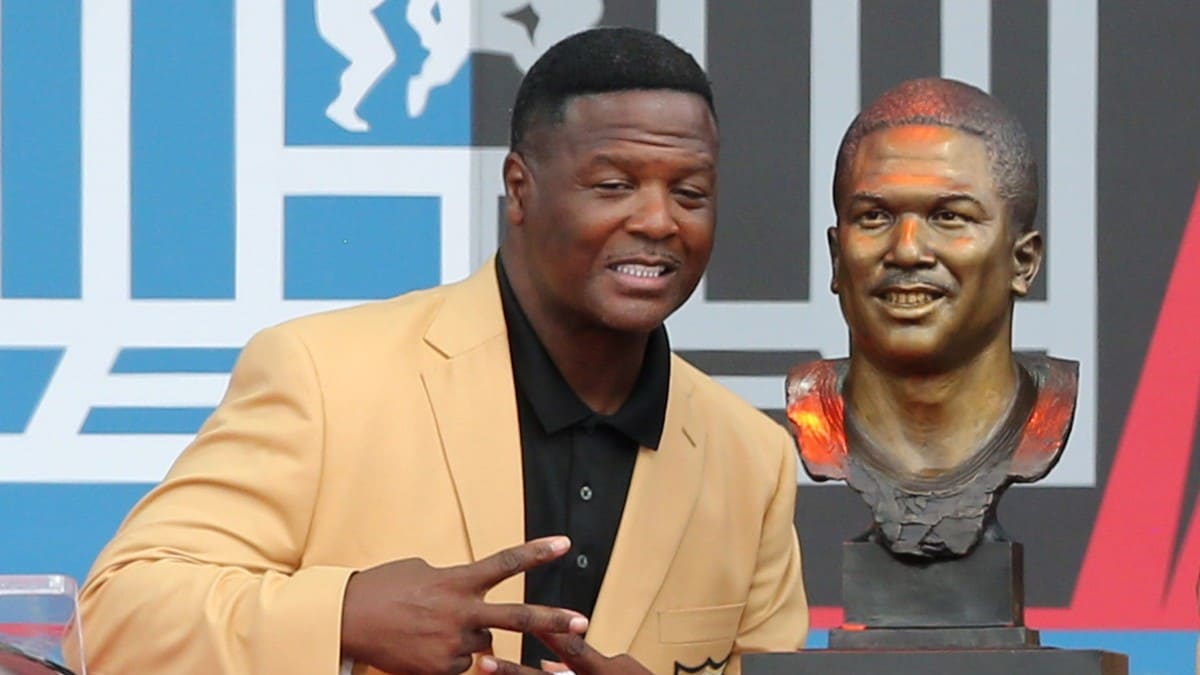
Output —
(950, 103)
(601, 60)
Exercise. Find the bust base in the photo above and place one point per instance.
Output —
(1035, 661)
(990, 637)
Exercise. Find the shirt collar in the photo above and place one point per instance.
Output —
(553, 401)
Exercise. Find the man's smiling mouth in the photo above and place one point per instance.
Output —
(641, 271)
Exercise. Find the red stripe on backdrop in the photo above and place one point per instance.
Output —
(1126, 578)
(32, 629)
(1129, 579)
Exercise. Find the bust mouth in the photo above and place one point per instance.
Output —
(910, 298)
(909, 301)
(908, 291)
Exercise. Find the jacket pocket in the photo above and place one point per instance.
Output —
(699, 624)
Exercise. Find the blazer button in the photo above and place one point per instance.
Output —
(581, 561)
(585, 493)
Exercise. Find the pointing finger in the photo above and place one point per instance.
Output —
(488, 572)
(530, 619)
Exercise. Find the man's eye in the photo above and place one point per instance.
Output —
(691, 195)
(612, 185)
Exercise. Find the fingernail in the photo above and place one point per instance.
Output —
(487, 664)
(560, 544)
(578, 624)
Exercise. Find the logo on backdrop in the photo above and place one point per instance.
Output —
(195, 208)
(516, 28)
(156, 214)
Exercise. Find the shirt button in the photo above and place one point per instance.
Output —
(581, 561)
(585, 493)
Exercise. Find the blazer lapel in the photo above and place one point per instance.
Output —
(469, 383)
(662, 495)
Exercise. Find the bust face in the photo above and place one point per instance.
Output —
(924, 263)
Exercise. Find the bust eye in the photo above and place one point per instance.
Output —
(873, 218)
(948, 218)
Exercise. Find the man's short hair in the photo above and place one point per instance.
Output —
(950, 103)
(597, 61)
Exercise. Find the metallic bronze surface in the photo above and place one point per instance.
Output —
(932, 416)
(943, 515)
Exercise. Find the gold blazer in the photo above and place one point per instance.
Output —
(388, 431)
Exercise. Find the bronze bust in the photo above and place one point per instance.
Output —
(932, 415)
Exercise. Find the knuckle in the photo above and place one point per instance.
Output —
(510, 561)
(523, 618)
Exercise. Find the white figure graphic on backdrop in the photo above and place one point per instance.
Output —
(448, 37)
(351, 28)
(444, 30)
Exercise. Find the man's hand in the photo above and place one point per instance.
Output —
(575, 653)
(408, 617)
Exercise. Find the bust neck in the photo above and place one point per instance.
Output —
(929, 423)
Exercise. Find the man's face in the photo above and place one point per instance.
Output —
(614, 208)
(925, 266)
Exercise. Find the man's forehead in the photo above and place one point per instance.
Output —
(591, 123)
(666, 109)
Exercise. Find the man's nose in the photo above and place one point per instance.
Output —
(653, 216)
(909, 246)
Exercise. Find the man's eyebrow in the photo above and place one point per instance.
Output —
(620, 160)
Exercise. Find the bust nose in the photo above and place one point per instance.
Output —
(909, 247)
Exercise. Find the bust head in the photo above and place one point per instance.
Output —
(935, 192)
(932, 415)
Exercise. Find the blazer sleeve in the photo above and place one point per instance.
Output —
(776, 614)
(206, 574)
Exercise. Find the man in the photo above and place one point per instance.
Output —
(935, 191)
(363, 490)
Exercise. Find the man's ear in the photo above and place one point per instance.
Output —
(516, 188)
(1027, 254)
(831, 236)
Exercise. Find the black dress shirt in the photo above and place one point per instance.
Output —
(577, 463)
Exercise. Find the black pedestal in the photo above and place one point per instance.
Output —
(981, 589)
(1043, 661)
(935, 617)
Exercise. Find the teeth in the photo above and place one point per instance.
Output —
(644, 271)
(908, 298)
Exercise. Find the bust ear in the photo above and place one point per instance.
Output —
(1027, 260)
(831, 236)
